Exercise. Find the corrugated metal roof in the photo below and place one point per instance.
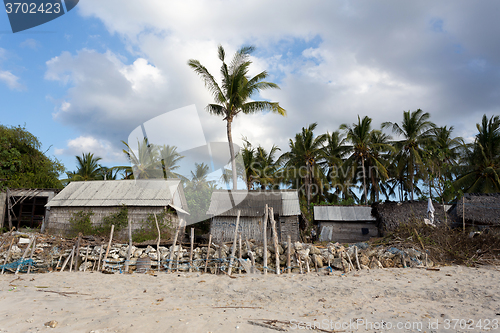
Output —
(147, 192)
(252, 203)
(343, 213)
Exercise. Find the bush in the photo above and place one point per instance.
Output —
(148, 230)
(118, 219)
(80, 222)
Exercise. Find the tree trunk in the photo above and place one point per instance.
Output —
(364, 178)
(231, 152)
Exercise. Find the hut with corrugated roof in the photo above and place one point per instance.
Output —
(345, 224)
(106, 197)
(224, 206)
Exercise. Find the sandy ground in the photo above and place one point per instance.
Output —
(421, 300)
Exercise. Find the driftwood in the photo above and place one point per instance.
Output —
(67, 259)
(288, 252)
(31, 255)
(158, 243)
(8, 254)
(129, 252)
(109, 246)
(171, 256)
(233, 250)
(100, 257)
(77, 251)
(208, 251)
(86, 258)
(24, 255)
(357, 259)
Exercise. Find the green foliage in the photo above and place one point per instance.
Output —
(148, 230)
(22, 163)
(118, 219)
(80, 222)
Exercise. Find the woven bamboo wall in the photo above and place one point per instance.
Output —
(60, 217)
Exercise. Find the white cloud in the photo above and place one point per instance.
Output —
(11, 80)
(31, 43)
(85, 144)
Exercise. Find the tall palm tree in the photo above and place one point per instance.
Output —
(415, 130)
(267, 167)
(88, 168)
(232, 97)
(302, 164)
(335, 151)
(480, 171)
(365, 147)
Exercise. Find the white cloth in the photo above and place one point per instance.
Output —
(430, 210)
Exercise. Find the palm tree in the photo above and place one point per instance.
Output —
(232, 97)
(306, 152)
(199, 176)
(169, 159)
(415, 130)
(88, 168)
(335, 150)
(480, 171)
(366, 145)
(145, 161)
(267, 167)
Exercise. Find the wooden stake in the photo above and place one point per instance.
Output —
(463, 212)
(67, 259)
(58, 262)
(208, 251)
(351, 266)
(307, 265)
(178, 259)
(86, 258)
(357, 260)
(264, 235)
(129, 252)
(72, 257)
(240, 248)
(233, 250)
(191, 251)
(288, 253)
(275, 239)
(109, 246)
(171, 256)
(8, 254)
(297, 256)
(158, 242)
(31, 255)
(100, 257)
(77, 252)
(9, 208)
(24, 255)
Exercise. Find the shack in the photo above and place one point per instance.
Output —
(105, 197)
(391, 214)
(25, 208)
(224, 206)
(480, 210)
(345, 224)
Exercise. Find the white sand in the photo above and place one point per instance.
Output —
(194, 302)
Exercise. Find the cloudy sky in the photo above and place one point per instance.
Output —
(86, 80)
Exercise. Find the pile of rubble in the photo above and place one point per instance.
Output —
(53, 254)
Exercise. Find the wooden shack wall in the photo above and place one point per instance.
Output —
(346, 232)
(222, 228)
(3, 207)
(289, 226)
(60, 216)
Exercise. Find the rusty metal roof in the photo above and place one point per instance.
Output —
(252, 203)
(148, 192)
(343, 213)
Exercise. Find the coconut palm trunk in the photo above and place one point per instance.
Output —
(364, 178)
(231, 152)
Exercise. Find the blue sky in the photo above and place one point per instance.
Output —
(84, 81)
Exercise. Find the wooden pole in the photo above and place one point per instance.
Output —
(58, 262)
(8, 254)
(100, 257)
(264, 235)
(463, 212)
(31, 255)
(288, 253)
(86, 259)
(9, 208)
(72, 257)
(109, 246)
(77, 251)
(240, 248)
(191, 251)
(233, 250)
(171, 256)
(67, 259)
(357, 259)
(24, 255)
(178, 259)
(129, 252)
(275, 239)
(158, 242)
(208, 251)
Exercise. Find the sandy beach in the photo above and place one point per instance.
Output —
(400, 300)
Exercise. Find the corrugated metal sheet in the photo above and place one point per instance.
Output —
(252, 203)
(151, 192)
(343, 213)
